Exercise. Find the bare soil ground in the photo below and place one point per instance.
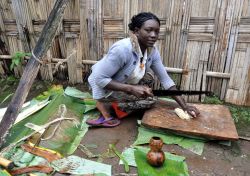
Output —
(216, 160)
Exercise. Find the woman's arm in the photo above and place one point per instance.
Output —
(108, 66)
(167, 82)
(136, 90)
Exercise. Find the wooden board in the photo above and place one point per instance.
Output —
(214, 122)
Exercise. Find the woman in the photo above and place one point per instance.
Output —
(125, 65)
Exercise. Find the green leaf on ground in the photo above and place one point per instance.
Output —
(194, 145)
(171, 166)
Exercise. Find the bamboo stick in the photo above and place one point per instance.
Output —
(218, 74)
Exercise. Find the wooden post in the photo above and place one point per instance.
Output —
(32, 68)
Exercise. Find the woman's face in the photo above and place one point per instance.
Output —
(148, 33)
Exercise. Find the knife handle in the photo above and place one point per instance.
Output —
(6, 163)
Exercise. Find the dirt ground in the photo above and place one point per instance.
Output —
(216, 159)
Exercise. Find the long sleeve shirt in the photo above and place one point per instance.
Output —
(119, 64)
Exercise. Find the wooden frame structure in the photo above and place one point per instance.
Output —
(205, 43)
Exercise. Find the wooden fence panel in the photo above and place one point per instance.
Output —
(196, 60)
(238, 89)
(239, 82)
(198, 45)
(113, 23)
(245, 31)
(3, 16)
(74, 63)
(206, 41)
(24, 24)
(7, 16)
(214, 22)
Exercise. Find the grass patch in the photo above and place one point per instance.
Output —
(240, 113)
(241, 117)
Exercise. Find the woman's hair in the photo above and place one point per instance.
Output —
(140, 18)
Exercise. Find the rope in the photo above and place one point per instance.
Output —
(58, 64)
(62, 61)
(34, 132)
(37, 59)
(62, 110)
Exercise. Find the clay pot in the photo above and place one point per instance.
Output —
(155, 156)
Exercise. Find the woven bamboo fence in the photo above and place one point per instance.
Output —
(204, 44)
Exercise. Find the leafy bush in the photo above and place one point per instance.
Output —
(17, 59)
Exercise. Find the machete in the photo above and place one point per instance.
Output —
(179, 92)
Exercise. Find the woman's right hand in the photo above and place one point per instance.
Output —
(141, 91)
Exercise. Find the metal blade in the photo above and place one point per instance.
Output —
(179, 92)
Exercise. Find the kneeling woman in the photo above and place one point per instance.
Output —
(119, 74)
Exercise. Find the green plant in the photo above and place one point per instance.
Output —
(239, 112)
(11, 79)
(17, 59)
(212, 100)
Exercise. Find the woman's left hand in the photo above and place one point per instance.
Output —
(193, 111)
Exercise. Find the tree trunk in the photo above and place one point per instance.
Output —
(32, 68)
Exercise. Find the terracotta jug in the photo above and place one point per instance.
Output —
(155, 156)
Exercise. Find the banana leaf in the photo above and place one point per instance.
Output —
(145, 134)
(80, 166)
(129, 156)
(4, 173)
(69, 133)
(71, 165)
(172, 165)
(28, 108)
(80, 96)
(22, 159)
(73, 92)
